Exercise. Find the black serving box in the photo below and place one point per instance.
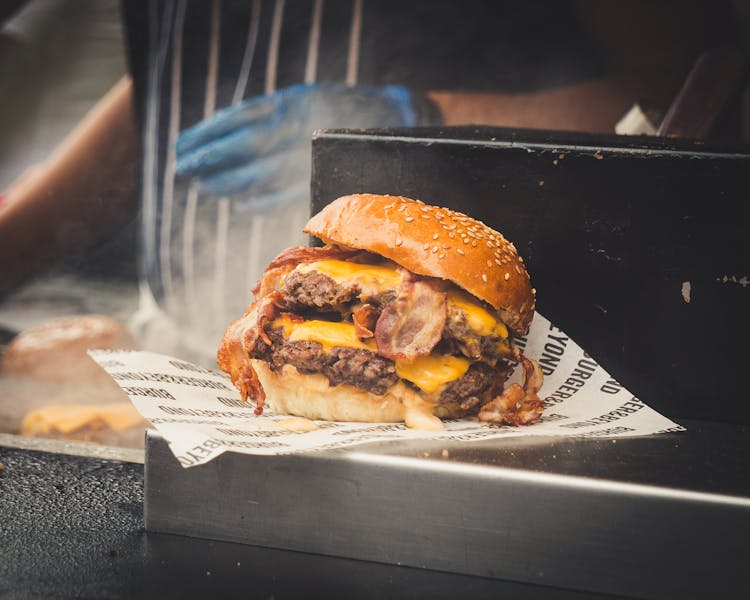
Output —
(638, 246)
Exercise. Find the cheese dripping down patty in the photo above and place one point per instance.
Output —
(373, 280)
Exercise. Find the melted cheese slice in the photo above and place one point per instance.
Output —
(478, 318)
(371, 279)
(428, 373)
(376, 279)
(327, 333)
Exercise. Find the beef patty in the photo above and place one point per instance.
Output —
(358, 367)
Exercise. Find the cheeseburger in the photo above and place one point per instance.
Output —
(406, 314)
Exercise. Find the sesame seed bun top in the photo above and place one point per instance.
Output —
(435, 242)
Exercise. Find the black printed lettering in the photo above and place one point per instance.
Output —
(372, 429)
(573, 382)
(203, 412)
(560, 339)
(588, 363)
(675, 429)
(198, 453)
(256, 444)
(185, 366)
(549, 417)
(606, 432)
(252, 434)
(611, 387)
(581, 374)
(548, 362)
(166, 378)
(148, 392)
(231, 401)
(105, 364)
(627, 408)
(159, 420)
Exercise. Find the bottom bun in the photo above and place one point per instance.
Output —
(311, 396)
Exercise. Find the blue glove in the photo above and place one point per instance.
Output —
(262, 145)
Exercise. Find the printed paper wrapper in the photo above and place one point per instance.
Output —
(200, 414)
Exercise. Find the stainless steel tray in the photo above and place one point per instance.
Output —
(660, 517)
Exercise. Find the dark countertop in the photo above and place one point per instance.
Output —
(72, 527)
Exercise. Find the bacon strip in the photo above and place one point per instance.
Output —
(413, 323)
(239, 339)
(270, 280)
(365, 319)
(297, 255)
(517, 405)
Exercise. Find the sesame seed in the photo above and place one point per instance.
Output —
(461, 252)
(425, 246)
(489, 263)
(409, 219)
(425, 216)
(473, 244)
(434, 249)
(490, 244)
(435, 236)
(441, 255)
(484, 277)
(466, 240)
(498, 263)
(399, 241)
(451, 234)
(507, 276)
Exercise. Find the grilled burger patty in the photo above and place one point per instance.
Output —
(357, 367)
(320, 292)
(317, 291)
(365, 369)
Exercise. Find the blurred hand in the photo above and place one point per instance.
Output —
(262, 145)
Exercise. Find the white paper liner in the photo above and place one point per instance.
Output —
(200, 414)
